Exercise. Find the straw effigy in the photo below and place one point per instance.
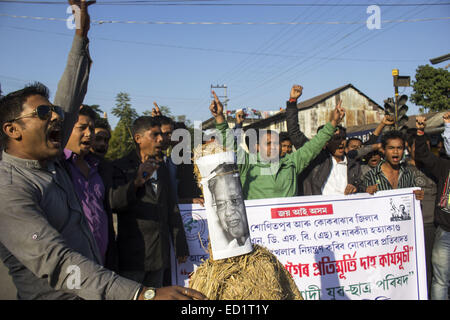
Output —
(257, 275)
(254, 276)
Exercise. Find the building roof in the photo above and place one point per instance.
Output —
(434, 121)
(281, 116)
(322, 97)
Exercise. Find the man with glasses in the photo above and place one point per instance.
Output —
(44, 237)
(228, 203)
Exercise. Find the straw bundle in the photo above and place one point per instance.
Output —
(254, 276)
(257, 275)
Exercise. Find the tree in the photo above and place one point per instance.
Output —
(122, 142)
(123, 109)
(431, 89)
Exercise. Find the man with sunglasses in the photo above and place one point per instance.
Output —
(44, 238)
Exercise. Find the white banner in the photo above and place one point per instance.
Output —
(335, 247)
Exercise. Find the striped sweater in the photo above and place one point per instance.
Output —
(377, 177)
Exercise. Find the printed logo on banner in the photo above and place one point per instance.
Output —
(194, 226)
(400, 211)
(301, 211)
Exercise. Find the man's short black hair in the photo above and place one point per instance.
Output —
(144, 123)
(354, 138)
(390, 135)
(103, 124)
(342, 130)
(179, 125)
(87, 111)
(284, 136)
(163, 120)
(11, 105)
(371, 154)
(220, 170)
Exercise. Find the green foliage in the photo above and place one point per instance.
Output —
(123, 109)
(121, 142)
(431, 89)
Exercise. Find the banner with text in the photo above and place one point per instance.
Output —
(335, 247)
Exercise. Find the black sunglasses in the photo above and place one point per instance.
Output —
(44, 112)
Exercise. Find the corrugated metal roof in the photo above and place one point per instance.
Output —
(281, 116)
(322, 97)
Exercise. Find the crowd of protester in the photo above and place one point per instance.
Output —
(60, 195)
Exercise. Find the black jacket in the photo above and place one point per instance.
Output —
(440, 169)
(105, 170)
(145, 220)
(319, 170)
(312, 179)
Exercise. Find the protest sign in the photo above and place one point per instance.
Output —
(224, 205)
(335, 247)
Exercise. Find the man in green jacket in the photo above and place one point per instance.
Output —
(266, 175)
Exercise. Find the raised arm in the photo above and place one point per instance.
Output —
(297, 137)
(303, 156)
(423, 152)
(228, 135)
(72, 86)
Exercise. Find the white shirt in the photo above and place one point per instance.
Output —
(154, 182)
(337, 180)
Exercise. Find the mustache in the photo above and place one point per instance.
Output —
(55, 125)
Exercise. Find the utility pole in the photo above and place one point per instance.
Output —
(224, 96)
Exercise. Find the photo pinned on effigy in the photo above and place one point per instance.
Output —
(224, 204)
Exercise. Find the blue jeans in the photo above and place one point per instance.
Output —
(441, 265)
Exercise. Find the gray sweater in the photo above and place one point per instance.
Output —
(44, 237)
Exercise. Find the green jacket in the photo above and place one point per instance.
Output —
(261, 180)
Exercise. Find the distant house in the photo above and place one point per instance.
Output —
(312, 113)
(434, 128)
(361, 118)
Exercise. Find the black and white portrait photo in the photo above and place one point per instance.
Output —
(224, 203)
(228, 203)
